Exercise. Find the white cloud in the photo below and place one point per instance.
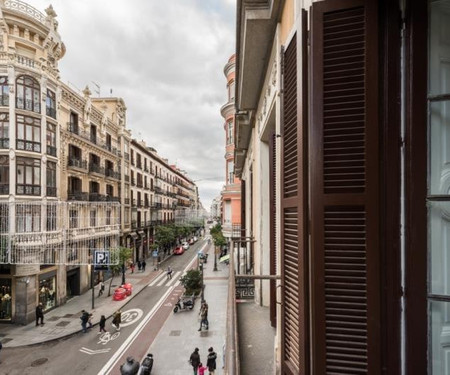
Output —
(165, 59)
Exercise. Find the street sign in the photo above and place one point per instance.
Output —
(101, 260)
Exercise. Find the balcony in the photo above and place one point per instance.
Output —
(77, 196)
(96, 197)
(4, 143)
(77, 163)
(127, 178)
(133, 181)
(4, 189)
(75, 129)
(22, 144)
(110, 198)
(96, 168)
(51, 191)
(112, 173)
(127, 200)
(50, 112)
(28, 189)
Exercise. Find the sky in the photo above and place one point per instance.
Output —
(166, 60)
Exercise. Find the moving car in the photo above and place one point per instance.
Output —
(185, 245)
(179, 250)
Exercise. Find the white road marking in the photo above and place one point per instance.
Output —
(174, 277)
(162, 281)
(130, 316)
(157, 279)
(127, 343)
(91, 352)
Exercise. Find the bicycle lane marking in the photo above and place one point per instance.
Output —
(145, 337)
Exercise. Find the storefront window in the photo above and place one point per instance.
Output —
(5, 299)
(47, 292)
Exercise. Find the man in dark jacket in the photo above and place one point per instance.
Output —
(195, 360)
(211, 362)
(84, 320)
(39, 314)
(147, 364)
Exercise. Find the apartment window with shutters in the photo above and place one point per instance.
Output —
(230, 172)
(230, 138)
(438, 200)
(51, 217)
(28, 176)
(28, 218)
(73, 218)
(51, 179)
(28, 133)
(51, 139)
(28, 94)
(4, 175)
(50, 104)
(93, 218)
(4, 91)
(4, 130)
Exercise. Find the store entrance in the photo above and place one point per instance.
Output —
(73, 283)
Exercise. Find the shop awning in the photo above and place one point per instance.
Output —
(141, 233)
(133, 235)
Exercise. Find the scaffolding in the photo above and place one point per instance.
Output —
(60, 233)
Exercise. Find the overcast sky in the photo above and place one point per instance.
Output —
(166, 60)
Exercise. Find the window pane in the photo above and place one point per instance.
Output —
(439, 245)
(440, 337)
(439, 47)
(439, 157)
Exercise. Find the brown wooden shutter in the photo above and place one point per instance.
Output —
(273, 228)
(294, 239)
(344, 188)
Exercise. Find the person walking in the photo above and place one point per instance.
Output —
(130, 367)
(117, 319)
(101, 288)
(132, 266)
(211, 362)
(144, 263)
(204, 316)
(84, 320)
(169, 273)
(194, 360)
(139, 264)
(39, 314)
(147, 365)
(102, 324)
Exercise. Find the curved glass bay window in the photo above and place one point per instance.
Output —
(4, 130)
(438, 199)
(50, 104)
(4, 174)
(28, 133)
(4, 91)
(28, 176)
(28, 94)
(51, 179)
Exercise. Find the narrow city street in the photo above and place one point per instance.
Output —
(92, 353)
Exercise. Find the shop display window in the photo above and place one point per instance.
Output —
(47, 292)
(5, 299)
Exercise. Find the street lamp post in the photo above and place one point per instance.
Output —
(123, 272)
(215, 259)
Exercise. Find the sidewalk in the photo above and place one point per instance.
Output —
(180, 336)
(65, 320)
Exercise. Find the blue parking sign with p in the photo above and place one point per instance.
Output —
(101, 260)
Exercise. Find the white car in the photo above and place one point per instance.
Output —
(195, 239)
(185, 245)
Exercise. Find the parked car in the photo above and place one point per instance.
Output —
(185, 245)
(179, 250)
(128, 287)
(191, 241)
(195, 238)
(119, 294)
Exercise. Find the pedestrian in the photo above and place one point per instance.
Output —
(102, 324)
(132, 266)
(211, 362)
(169, 273)
(139, 264)
(194, 360)
(117, 319)
(130, 367)
(147, 365)
(39, 314)
(202, 369)
(144, 263)
(204, 316)
(101, 288)
(84, 320)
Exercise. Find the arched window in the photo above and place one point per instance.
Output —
(28, 94)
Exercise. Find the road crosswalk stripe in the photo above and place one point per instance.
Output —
(174, 278)
(157, 279)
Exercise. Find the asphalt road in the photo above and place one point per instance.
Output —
(93, 353)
